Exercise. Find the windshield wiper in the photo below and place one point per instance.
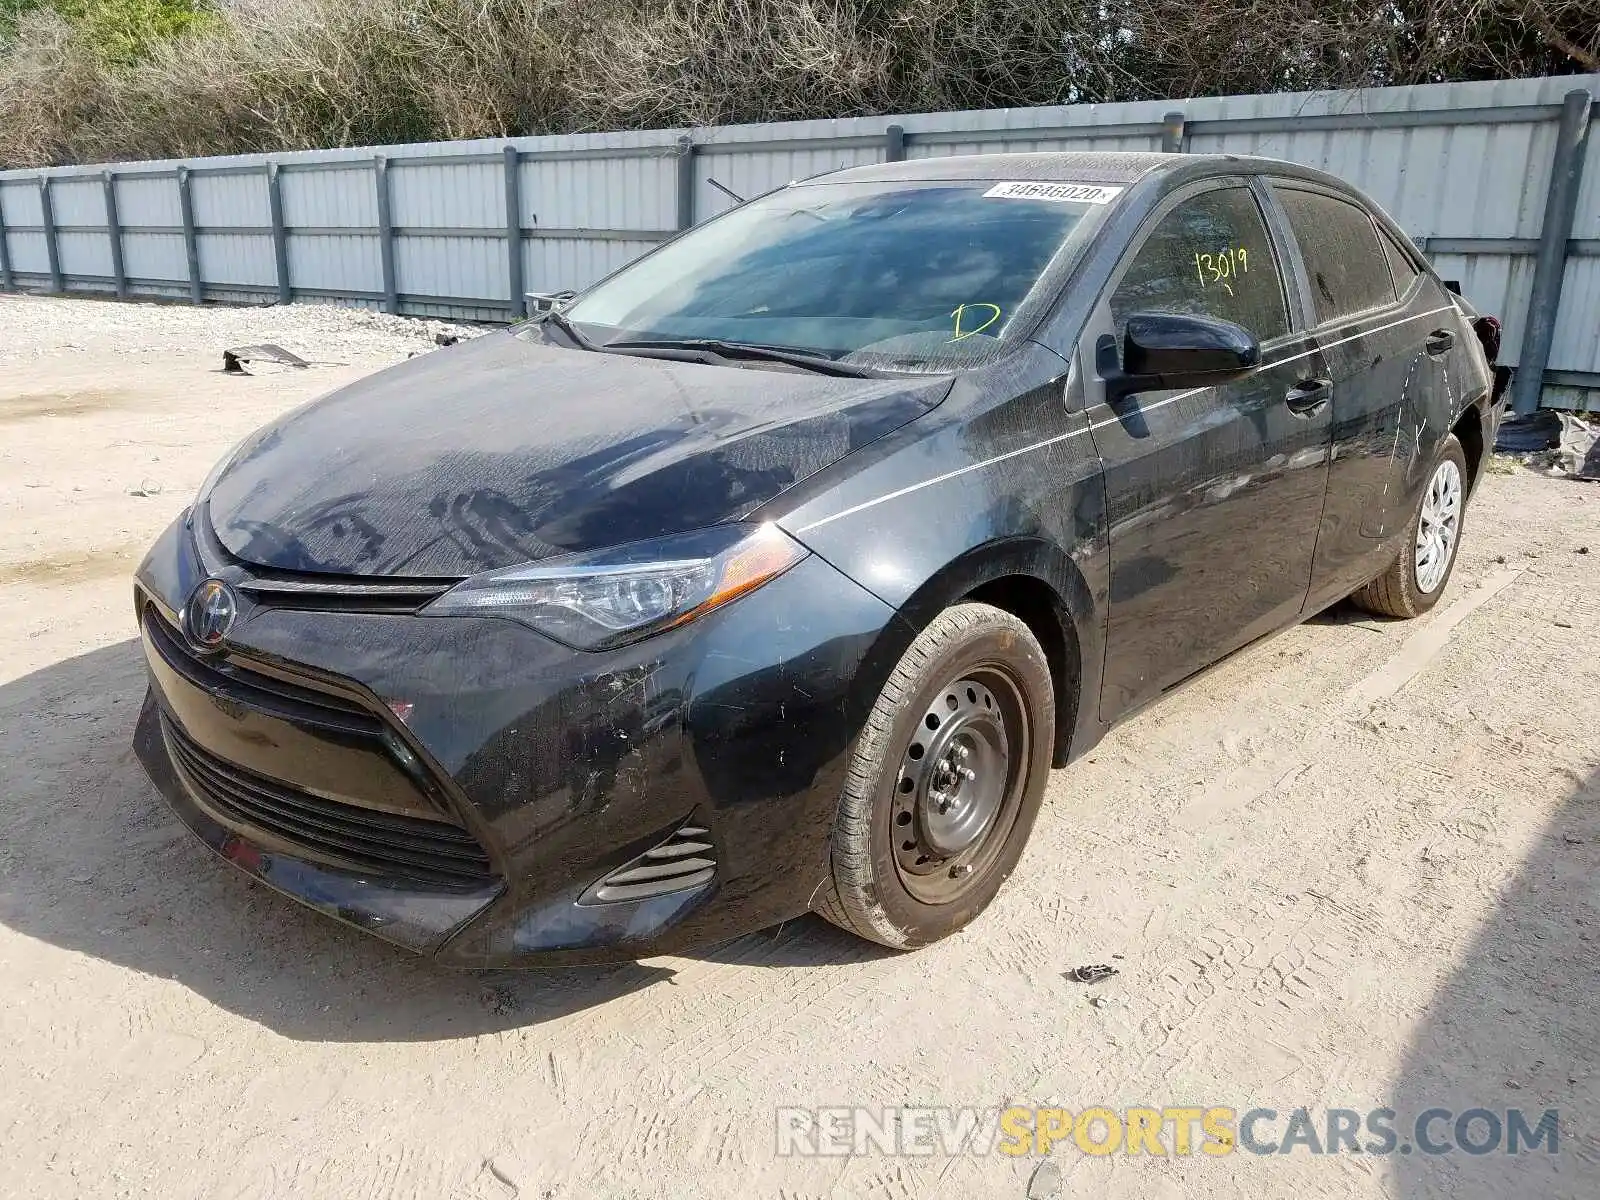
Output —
(723, 349)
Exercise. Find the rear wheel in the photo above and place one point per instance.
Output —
(945, 781)
(1415, 580)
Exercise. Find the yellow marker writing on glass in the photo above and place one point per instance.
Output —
(961, 311)
(1228, 263)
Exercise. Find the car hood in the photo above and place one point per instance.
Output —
(506, 449)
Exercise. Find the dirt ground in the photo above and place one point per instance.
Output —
(1358, 866)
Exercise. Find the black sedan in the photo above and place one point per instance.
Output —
(775, 571)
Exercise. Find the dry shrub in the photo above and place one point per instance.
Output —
(645, 64)
(290, 74)
(49, 86)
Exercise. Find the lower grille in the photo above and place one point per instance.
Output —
(685, 860)
(367, 840)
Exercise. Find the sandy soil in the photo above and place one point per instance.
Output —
(1354, 867)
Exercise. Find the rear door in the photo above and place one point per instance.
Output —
(1214, 494)
(1387, 331)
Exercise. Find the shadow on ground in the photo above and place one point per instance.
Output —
(92, 861)
(1517, 1025)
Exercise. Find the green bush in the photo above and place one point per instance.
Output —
(115, 31)
(121, 32)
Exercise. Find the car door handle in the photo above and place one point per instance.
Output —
(1307, 397)
(1439, 342)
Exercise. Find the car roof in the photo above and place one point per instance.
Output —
(1073, 166)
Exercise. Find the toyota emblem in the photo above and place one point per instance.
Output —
(210, 614)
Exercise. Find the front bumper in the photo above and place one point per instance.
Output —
(711, 755)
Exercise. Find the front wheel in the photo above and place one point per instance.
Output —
(945, 780)
(1415, 580)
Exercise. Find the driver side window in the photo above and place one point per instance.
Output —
(1209, 257)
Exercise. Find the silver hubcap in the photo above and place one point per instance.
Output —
(1440, 523)
(952, 790)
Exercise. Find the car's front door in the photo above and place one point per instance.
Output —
(1214, 494)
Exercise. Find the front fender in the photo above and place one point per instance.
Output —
(999, 481)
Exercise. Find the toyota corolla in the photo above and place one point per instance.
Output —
(774, 572)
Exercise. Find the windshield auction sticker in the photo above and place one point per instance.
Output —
(1061, 193)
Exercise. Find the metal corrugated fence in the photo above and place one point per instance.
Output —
(1480, 174)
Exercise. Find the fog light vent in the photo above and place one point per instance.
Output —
(685, 860)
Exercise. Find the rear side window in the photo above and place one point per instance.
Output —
(1209, 257)
(1400, 265)
(1349, 269)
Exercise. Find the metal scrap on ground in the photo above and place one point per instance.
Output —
(235, 361)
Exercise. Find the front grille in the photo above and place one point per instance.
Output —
(276, 588)
(362, 839)
(685, 860)
(338, 594)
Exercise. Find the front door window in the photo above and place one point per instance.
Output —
(1209, 257)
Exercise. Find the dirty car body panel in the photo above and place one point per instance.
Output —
(471, 786)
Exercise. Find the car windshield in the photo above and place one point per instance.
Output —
(904, 275)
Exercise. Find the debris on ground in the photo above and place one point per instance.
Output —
(1530, 434)
(236, 360)
(1579, 452)
(505, 1170)
(1091, 974)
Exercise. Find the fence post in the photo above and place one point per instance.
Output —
(1172, 133)
(280, 234)
(114, 234)
(191, 244)
(1560, 205)
(686, 149)
(7, 281)
(894, 144)
(380, 179)
(47, 217)
(519, 300)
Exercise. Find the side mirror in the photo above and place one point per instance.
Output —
(1161, 351)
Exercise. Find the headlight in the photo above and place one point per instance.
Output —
(609, 597)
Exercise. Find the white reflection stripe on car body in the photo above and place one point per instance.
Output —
(1062, 437)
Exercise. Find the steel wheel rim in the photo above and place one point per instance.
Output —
(959, 785)
(1439, 526)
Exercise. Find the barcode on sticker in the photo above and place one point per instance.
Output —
(1061, 193)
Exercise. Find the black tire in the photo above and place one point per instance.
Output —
(1396, 593)
(882, 888)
